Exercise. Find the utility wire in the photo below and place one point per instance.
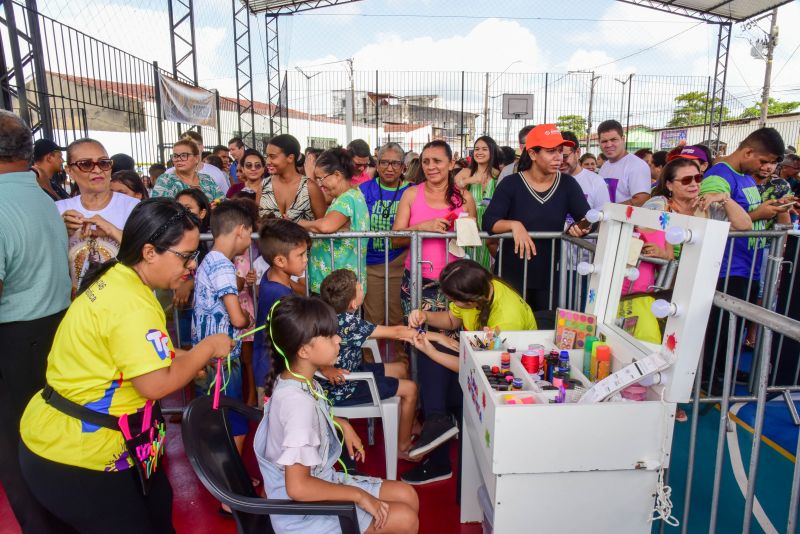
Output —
(646, 48)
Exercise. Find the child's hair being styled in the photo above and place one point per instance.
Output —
(278, 237)
(468, 281)
(230, 214)
(339, 289)
(293, 322)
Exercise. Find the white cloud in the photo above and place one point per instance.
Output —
(628, 37)
(490, 45)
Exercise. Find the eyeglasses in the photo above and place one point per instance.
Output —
(686, 180)
(183, 156)
(320, 180)
(187, 257)
(88, 165)
(251, 165)
(390, 163)
(566, 152)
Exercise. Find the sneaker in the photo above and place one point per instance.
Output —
(425, 473)
(435, 431)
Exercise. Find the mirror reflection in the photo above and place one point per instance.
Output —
(649, 275)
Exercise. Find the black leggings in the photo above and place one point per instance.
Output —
(96, 501)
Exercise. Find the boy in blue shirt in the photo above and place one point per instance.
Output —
(734, 175)
(342, 290)
(284, 246)
(216, 299)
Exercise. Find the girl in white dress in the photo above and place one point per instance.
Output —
(296, 443)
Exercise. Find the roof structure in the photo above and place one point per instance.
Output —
(714, 11)
(279, 7)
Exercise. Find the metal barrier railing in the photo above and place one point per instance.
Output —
(778, 272)
(771, 322)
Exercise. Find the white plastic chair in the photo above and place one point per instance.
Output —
(388, 410)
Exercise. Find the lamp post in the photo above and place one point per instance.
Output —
(308, 94)
(591, 103)
(486, 95)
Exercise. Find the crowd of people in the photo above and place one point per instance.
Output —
(90, 269)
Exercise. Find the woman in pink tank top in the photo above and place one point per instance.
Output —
(430, 207)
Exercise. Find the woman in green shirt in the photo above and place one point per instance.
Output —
(480, 178)
(186, 157)
(347, 213)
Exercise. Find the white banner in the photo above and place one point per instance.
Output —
(186, 104)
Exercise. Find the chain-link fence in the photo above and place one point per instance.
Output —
(92, 88)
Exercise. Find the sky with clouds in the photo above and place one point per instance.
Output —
(522, 36)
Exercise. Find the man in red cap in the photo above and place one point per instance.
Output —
(538, 198)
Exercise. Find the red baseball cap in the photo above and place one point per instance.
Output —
(546, 136)
(689, 152)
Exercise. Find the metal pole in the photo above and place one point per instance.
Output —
(348, 103)
(377, 112)
(486, 107)
(705, 110)
(160, 120)
(723, 421)
(219, 120)
(758, 427)
(772, 41)
(461, 126)
(589, 117)
(628, 120)
(415, 288)
(16, 59)
(39, 72)
(546, 78)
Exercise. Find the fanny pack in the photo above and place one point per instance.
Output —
(143, 431)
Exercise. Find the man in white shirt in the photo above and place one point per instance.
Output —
(217, 175)
(627, 176)
(594, 187)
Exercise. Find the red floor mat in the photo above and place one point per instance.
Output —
(195, 511)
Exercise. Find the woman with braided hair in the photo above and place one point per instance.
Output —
(477, 300)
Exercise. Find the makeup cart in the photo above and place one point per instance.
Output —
(589, 466)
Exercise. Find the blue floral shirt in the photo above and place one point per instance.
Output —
(215, 278)
(354, 331)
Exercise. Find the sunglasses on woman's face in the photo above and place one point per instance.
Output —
(686, 180)
(87, 165)
(255, 165)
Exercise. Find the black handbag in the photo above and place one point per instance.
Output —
(144, 431)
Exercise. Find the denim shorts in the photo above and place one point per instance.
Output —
(387, 386)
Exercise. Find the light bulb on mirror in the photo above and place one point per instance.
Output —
(594, 216)
(677, 235)
(662, 308)
(632, 274)
(585, 268)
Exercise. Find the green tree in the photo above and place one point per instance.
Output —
(774, 107)
(692, 108)
(572, 123)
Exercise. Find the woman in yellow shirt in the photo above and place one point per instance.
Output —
(477, 299)
(110, 356)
